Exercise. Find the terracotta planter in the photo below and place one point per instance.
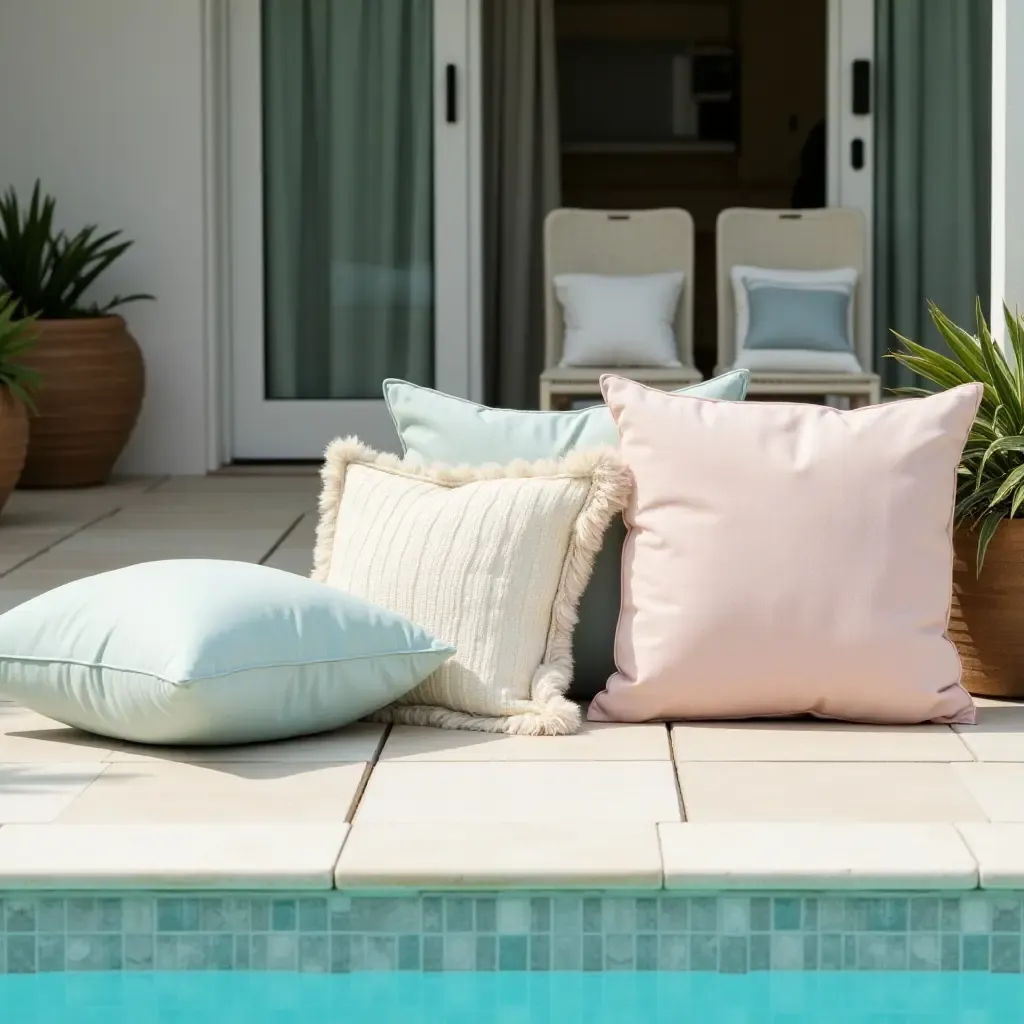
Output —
(13, 442)
(90, 393)
(987, 620)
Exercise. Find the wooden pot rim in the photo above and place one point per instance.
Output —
(82, 323)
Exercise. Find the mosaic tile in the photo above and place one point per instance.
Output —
(540, 914)
(731, 933)
(567, 915)
(673, 913)
(458, 914)
(512, 951)
(975, 953)
(284, 916)
(618, 952)
(733, 955)
(647, 952)
(460, 952)
(567, 953)
(760, 953)
(409, 953)
(673, 953)
(486, 953)
(593, 953)
(925, 951)
(1005, 954)
(540, 952)
(1006, 916)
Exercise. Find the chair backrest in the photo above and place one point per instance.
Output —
(792, 240)
(621, 243)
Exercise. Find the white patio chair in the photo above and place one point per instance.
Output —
(826, 239)
(615, 243)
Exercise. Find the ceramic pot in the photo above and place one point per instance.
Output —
(987, 618)
(13, 442)
(90, 392)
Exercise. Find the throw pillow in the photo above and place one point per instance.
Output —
(787, 314)
(492, 559)
(435, 427)
(787, 559)
(201, 651)
(619, 321)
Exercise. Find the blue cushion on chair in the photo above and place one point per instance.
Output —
(814, 319)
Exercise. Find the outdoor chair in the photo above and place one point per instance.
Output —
(620, 244)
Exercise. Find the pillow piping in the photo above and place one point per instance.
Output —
(548, 711)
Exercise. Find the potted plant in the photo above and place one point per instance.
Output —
(987, 618)
(91, 376)
(17, 381)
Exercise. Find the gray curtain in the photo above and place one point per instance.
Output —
(348, 186)
(522, 183)
(932, 208)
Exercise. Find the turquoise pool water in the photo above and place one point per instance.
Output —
(511, 998)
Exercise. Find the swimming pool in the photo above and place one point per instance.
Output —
(512, 998)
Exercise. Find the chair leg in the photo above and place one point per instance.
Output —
(545, 396)
(876, 393)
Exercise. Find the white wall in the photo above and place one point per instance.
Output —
(1007, 160)
(103, 100)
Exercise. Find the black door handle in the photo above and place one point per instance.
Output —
(451, 87)
(862, 87)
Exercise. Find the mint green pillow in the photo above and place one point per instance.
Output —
(435, 427)
(201, 651)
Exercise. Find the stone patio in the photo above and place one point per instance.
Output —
(794, 805)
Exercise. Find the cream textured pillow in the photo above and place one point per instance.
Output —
(787, 559)
(492, 559)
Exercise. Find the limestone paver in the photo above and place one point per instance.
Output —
(998, 734)
(814, 740)
(998, 848)
(37, 793)
(701, 855)
(526, 792)
(204, 793)
(594, 742)
(360, 741)
(997, 787)
(825, 792)
(26, 737)
(209, 856)
(500, 856)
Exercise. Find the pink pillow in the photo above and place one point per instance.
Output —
(787, 559)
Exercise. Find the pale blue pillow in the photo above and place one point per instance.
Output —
(435, 427)
(201, 651)
(812, 319)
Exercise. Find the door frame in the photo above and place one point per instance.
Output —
(234, 233)
(850, 37)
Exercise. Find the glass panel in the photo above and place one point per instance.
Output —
(348, 196)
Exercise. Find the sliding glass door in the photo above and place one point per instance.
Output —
(351, 215)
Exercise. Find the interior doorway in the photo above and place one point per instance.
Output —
(711, 105)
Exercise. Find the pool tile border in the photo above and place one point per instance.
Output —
(733, 933)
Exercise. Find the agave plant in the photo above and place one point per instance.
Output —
(48, 271)
(17, 336)
(990, 481)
